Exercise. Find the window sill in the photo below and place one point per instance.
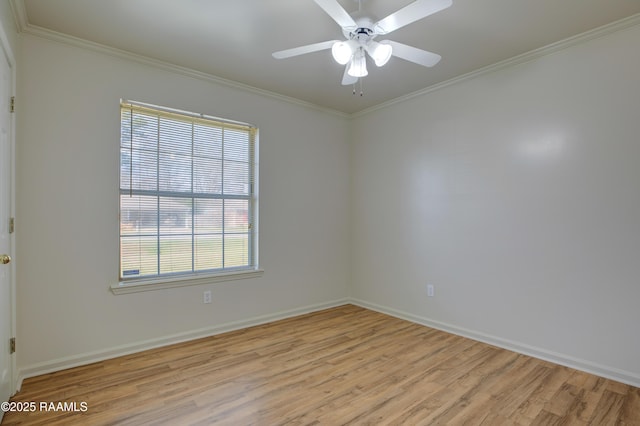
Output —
(137, 286)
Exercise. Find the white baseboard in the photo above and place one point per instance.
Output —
(91, 357)
(607, 372)
(557, 358)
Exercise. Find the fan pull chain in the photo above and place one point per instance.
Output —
(354, 87)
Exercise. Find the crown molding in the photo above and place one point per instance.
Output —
(19, 14)
(45, 33)
(21, 19)
(602, 31)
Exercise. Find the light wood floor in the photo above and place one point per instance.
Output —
(345, 365)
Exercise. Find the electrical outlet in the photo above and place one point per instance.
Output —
(207, 297)
(430, 290)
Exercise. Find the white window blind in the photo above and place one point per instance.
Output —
(187, 193)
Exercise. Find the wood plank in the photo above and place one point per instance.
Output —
(608, 411)
(345, 365)
(630, 412)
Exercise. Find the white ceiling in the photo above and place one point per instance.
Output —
(234, 39)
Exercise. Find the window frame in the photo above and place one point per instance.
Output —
(194, 277)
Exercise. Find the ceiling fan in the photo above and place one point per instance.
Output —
(361, 30)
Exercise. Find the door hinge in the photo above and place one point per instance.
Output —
(12, 104)
(12, 225)
(12, 345)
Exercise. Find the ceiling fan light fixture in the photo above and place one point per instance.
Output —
(342, 52)
(358, 67)
(360, 30)
(380, 53)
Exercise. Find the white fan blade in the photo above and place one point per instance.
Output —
(348, 79)
(337, 13)
(309, 48)
(413, 12)
(413, 54)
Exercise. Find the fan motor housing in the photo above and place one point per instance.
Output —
(364, 32)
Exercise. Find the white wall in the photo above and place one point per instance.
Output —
(67, 214)
(514, 193)
(517, 195)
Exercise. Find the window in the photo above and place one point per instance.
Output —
(187, 194)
